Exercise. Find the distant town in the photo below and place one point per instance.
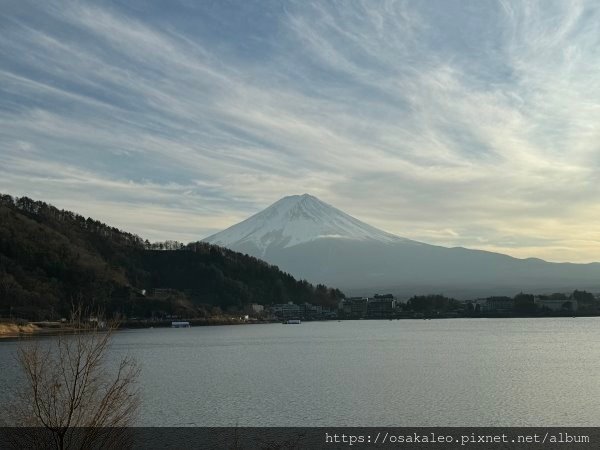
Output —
(388, 306)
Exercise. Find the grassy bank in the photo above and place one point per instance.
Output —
(8, 329)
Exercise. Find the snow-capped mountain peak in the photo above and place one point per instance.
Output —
(294, 220)
(314, 241)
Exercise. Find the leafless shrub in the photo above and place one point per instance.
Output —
(68, 394)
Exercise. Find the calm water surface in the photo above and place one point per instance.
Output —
(469, 372)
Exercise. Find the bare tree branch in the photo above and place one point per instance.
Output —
(69, 391)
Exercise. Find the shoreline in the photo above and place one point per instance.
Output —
(30, 329)
(13, 329)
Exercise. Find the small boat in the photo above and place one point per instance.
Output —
(180, 324)
(292, 321)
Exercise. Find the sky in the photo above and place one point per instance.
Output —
(456, 123)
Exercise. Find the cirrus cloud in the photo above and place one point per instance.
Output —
(459, 124)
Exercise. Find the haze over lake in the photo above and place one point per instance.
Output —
(469, 372)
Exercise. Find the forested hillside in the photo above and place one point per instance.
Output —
(51, 258)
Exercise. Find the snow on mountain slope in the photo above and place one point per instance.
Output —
(315, 241)
(294, 220)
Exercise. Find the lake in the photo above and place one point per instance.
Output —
(454, 372)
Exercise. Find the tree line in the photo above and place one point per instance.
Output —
(51, 258)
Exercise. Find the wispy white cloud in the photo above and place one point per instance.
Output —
(457, 124)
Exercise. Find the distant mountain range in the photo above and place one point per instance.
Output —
(313, 240)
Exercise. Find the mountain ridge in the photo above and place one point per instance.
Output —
(335, 248)
(51, 258)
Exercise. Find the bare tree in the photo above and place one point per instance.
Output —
(70, 395)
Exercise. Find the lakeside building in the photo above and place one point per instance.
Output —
(496, 305)
(381, 306)
(309, 311)
(556, 305)
(477, 305)
(256, 308)
(505, 305)
(378, 307)
(306, 311)
(500, 304)
(354, 307)
(285, 310)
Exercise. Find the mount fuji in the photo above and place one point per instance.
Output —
(295, 220)
(313, 240)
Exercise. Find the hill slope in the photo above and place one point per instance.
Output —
(50, 258)
(313, 240)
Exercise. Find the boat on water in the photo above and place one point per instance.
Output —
(180, 324)
(292, 321)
